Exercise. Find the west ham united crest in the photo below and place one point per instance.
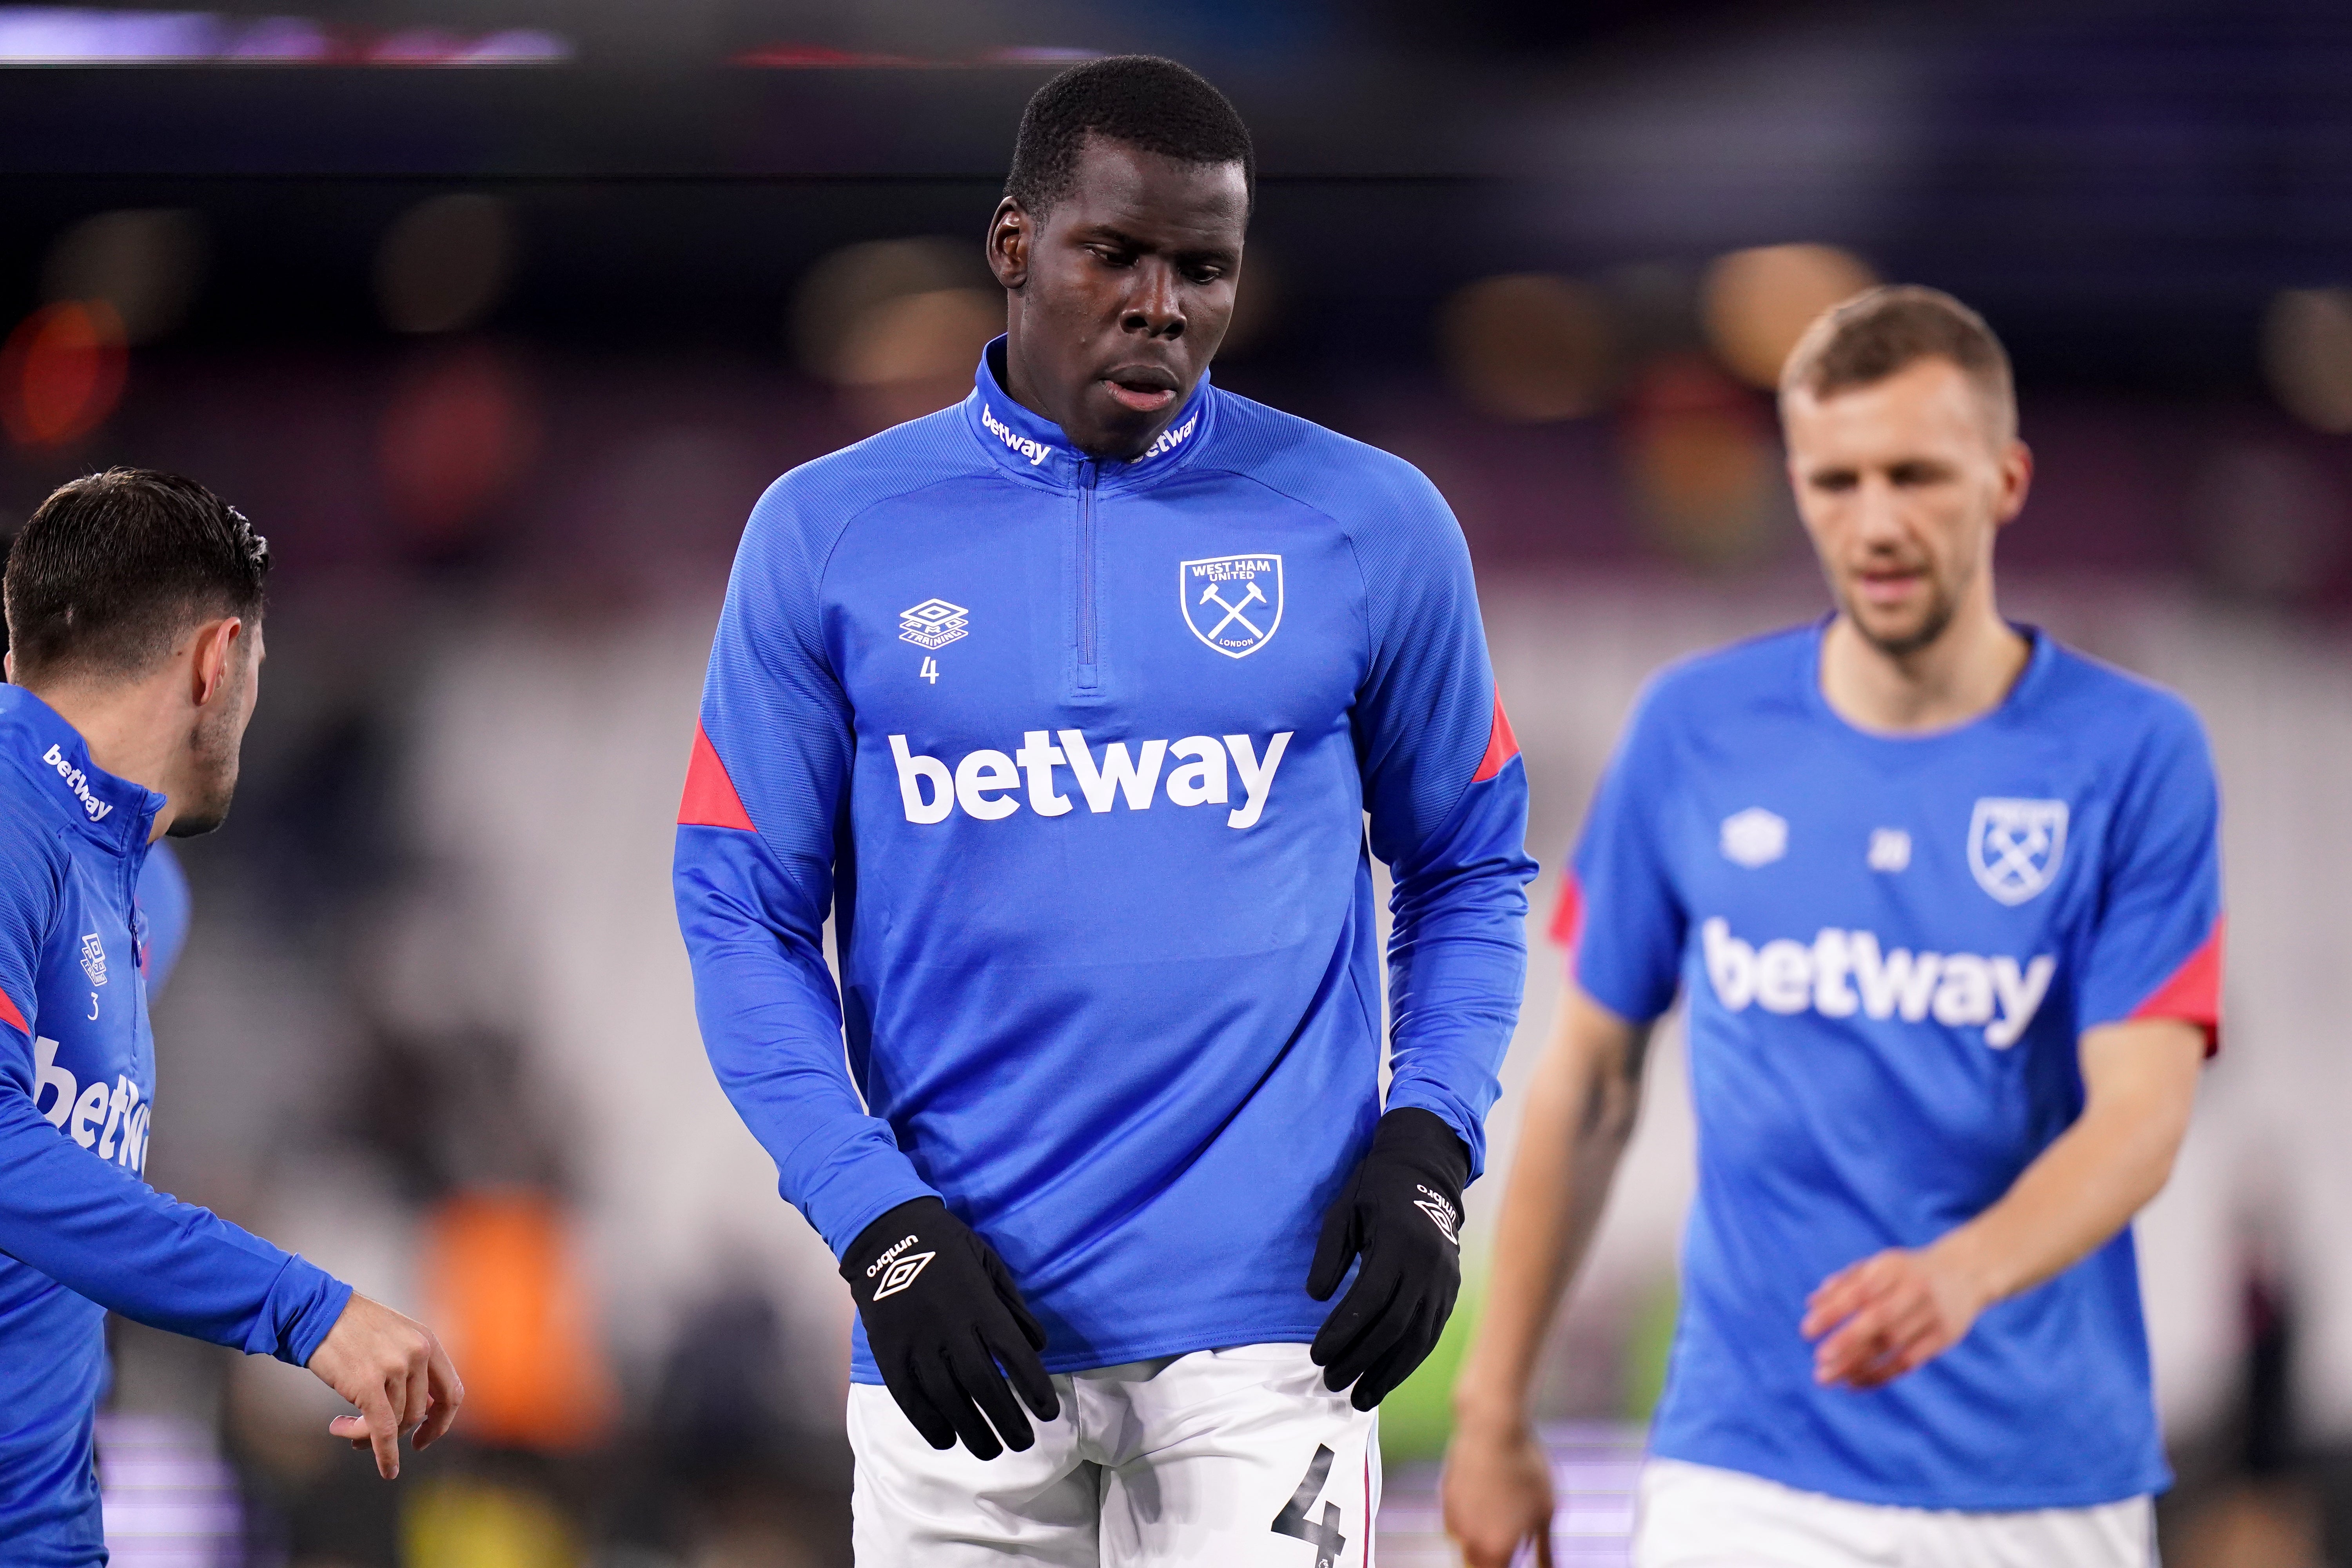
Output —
(1232, 603)
(2015, 847)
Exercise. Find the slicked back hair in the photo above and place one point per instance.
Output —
(1882, 330)
(114, 568)
(1147, 102)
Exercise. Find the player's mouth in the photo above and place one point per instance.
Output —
(1888, 586)
(1143, 388)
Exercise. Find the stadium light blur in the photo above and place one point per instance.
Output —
(146, 263)
(1755, 304)
(2307, 354)
(461, 428)
(444, 263)
(1701, 462)
(897, 324)
(1529, 347)
(61, 373)
(74, 35)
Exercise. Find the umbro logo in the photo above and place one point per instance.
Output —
(903, 1273)
(933, 624)
(1441, 1212)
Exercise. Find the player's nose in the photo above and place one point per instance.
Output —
(1154, 305)
(1878, 517)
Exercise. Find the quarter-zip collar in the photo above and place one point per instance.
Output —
(1033, 448)
(113, 813)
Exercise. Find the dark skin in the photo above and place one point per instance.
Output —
(1118, 295)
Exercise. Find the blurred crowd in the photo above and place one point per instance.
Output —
(434, 1027)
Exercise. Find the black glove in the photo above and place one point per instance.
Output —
(1402, 1212)
(942, 1315)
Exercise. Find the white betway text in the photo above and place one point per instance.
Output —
(991, 785)
(1840, 972)
(77, 782)
(111, 1118)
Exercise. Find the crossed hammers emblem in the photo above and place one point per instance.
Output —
(2016, 855)
(1256, 596)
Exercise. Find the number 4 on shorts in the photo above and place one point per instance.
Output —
(1293, 1519)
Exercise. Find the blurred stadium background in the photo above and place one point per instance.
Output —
(495, 315)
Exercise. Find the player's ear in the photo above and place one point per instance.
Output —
(215, 644)
(2016, 479)
(1010, 235)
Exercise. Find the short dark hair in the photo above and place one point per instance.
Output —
(1879, 332)
(114, 568)
(1142, 100)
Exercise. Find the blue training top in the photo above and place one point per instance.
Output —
(1890, 948)
(79, 1232)
(1079, 756)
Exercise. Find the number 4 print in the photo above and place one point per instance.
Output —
(1324, 1536)
(930, 671)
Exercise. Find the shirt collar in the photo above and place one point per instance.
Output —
(1034, 447)
(115, 812)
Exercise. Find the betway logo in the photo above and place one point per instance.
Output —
(1845, 972)
(77, 782)
(986, 784)
(1036, 451)
(1170, 439)
(111, 1118)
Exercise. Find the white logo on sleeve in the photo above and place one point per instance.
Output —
(2015, 847)
(933, 624)
(1232, 603)
(1754, 837)
(1890, 849)
(1840, 972)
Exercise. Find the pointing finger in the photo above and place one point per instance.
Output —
(384, 1431)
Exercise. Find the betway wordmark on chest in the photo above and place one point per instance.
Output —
(1199, 769)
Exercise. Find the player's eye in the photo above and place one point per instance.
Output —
(1836, 482)
(1111, 255)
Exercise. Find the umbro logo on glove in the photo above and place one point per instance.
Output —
(1441, 1212)
(946, 1350)
(1411, 1267)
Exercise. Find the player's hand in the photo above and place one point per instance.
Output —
(1888, 1315)
(1401, 1212)
(1497, 1495)
(395, 1372)
(942, 1317)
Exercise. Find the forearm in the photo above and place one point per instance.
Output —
(2089, 1183)
(1581, 1110)
(104, 1234)
(771, 1024)
(1457, 963)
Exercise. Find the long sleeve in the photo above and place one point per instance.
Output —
(93, 1227)
(766, 798)
(1447, 796)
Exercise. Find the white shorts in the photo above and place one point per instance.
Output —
(1696, 1516)
(1236, 1457)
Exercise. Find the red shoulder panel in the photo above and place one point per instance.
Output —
(8, 1014)
(2193, 994)
(710, 800)
(1501, 745)
(1568, 915)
